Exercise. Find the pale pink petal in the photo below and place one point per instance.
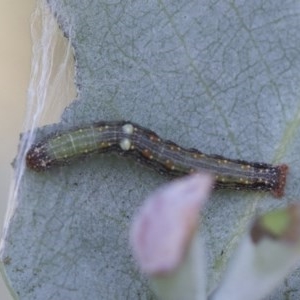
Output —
(163, 228)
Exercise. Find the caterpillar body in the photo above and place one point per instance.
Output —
(146, 147)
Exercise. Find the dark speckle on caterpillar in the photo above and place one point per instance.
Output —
(146, 147)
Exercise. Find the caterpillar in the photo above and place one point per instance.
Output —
(146, 147)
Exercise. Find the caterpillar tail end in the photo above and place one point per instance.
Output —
(37, 159)
(278, 190)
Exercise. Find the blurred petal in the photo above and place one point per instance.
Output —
(264, 258)
(189, 279)
(165, 225)
(281, 224)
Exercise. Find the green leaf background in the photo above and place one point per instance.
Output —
(220, 76)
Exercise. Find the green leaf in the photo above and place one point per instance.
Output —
(220, 76)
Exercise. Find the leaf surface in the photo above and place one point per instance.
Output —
(220, 76)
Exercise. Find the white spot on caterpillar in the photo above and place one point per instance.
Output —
(128, 129)
(43, 163)
(125, 144)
